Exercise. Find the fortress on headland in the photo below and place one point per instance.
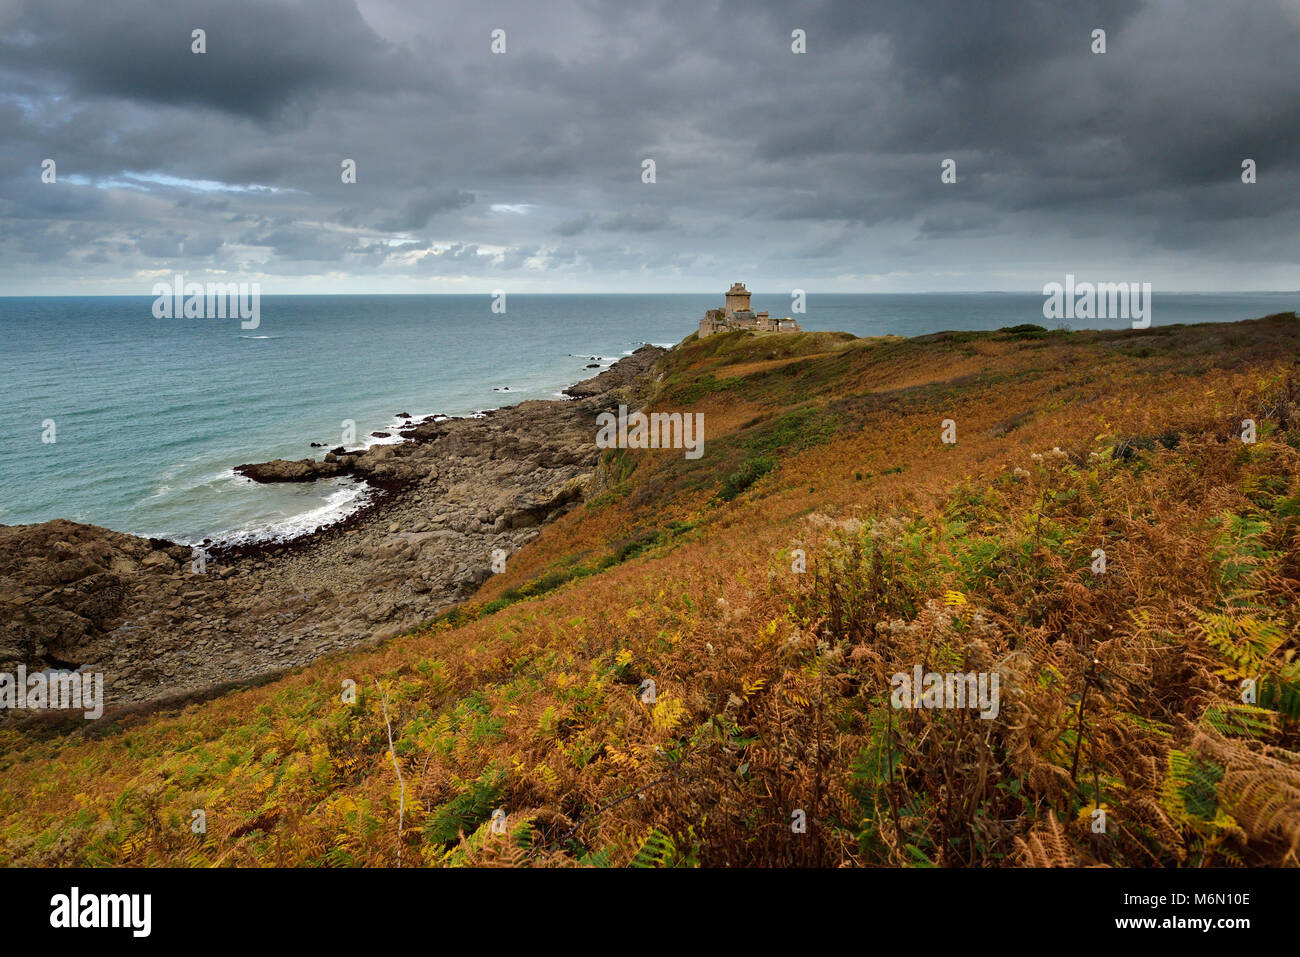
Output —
(738, 315)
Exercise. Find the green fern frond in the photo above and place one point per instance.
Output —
(600, 858)
(1235, 720)
(1191, 796)
(657, 850)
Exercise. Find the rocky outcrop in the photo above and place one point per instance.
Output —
(161, 626)
(622, 375)
(282, 470)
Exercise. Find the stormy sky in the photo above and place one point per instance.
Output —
(523, 170)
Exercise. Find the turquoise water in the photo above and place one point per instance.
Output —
(151, 415)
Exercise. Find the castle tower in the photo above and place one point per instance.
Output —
(737, 299)
(738, 316)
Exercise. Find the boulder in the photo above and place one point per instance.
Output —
(282, 470)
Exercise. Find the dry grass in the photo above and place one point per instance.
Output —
(1119, 691)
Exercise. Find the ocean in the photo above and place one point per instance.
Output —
(150, 416)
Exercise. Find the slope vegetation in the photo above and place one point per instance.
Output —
(696, 667)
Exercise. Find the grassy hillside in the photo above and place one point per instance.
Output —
(1120, 690)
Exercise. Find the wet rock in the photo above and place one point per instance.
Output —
(451, 492)
(282, 470)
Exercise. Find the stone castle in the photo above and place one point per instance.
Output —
(737, 315)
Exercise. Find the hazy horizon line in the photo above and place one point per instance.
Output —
(707, 292)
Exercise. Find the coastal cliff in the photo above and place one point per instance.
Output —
(79, 596)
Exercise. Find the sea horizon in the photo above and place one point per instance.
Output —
(159, 462)
(687, 292)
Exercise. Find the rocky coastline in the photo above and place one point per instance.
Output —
(444, 499)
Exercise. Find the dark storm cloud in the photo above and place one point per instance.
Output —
(417, 211)
(260, 56)
(304, 243)
(938, 227)
(171, 245)
(781, 168)
(640, 219)
(571, 227)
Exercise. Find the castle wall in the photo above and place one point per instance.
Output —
(738, 315)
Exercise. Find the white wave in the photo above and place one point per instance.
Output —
(223, 476)
(395, 425)
(159, 492)
(339, 504)
(176, 468)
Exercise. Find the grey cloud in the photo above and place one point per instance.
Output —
(574, 226)
(641, 219)
(304, 243)
(261, 54)
(770, 164)
(417, 211)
